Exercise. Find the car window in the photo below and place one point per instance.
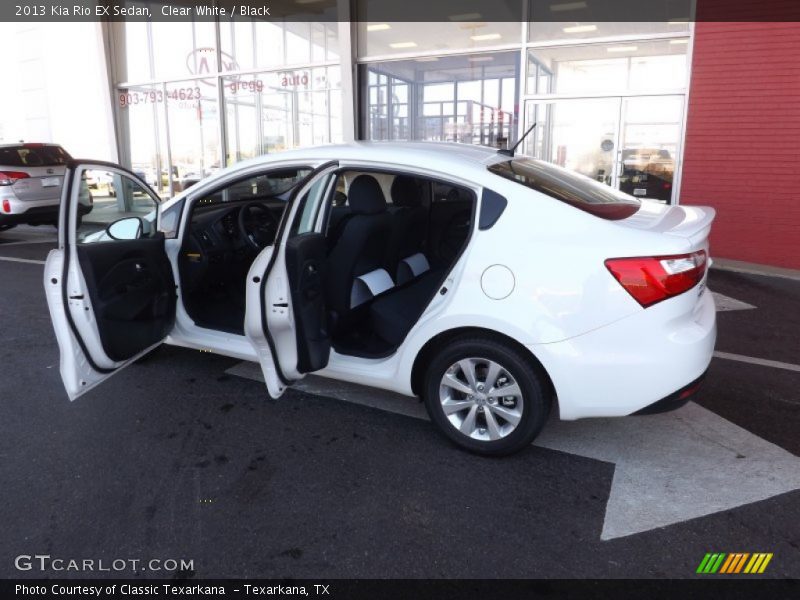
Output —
(33, 156)
(576, 190)
(273, 184)
(114, 197)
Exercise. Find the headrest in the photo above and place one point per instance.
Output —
(365, 196)
(406, 192)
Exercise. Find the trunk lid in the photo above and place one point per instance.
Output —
(42, 183)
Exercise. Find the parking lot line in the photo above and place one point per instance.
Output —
(758, 361)
(22, 260)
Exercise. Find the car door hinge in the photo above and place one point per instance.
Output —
(80, 297)
(282, 305)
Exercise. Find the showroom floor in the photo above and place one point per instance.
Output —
(183, 456)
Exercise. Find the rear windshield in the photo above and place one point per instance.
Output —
(33, 156)
(576, 190)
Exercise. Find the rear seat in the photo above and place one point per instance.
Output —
(393, 314)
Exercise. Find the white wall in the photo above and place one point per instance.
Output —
(55, 87)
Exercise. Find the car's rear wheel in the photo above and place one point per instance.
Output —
(485, 396)
(6, 226)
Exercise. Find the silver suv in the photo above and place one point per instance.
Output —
(31, 176)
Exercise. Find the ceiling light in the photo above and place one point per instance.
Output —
(580, 28)
(565, 6)
(679, 41)
(483, 37)
(622, 48)
(378, 27)
(480, 58)
(403, 45)
(679, 22)
(465, 17)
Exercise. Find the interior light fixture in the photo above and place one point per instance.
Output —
(579, 28)
(403, 45)
(679, 41)
(378, 27)
(484, 37)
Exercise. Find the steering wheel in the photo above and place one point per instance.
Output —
(257, 225)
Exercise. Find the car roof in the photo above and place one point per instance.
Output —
(435, 154)
(29, 145)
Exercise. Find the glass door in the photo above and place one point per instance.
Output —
(650, 134)
(579, 134)
(630, 143)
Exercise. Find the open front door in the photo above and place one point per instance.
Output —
(109, 285)
(286, 317)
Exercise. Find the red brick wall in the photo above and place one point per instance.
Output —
(742, 152)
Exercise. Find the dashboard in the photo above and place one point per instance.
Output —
(215, 248)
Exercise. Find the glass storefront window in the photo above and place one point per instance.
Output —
(193, 117)
(182, 49)
(142, 114)
(613, 68)
(470, 99)
(380, 39)
(273, 111)
(252, 44)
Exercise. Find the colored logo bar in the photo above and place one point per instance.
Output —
(736, 562)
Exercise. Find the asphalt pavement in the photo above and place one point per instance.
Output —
(178, 457)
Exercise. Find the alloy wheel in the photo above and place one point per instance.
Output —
(481, 399)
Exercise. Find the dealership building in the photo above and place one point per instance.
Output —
(683, 111)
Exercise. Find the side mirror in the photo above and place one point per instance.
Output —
(127, 228)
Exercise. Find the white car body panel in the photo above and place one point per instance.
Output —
(605, 354)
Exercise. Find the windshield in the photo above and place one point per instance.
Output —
(576, 190)
(33, 156)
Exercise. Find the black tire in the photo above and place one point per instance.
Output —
(6, 227)
(532, 382)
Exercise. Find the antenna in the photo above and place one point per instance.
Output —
(510, 151)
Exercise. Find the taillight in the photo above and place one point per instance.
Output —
(9, 177)
(651, 279)
(6, 206)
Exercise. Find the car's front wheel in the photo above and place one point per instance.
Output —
(486, 396)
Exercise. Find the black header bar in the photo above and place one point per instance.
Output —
(402, 10)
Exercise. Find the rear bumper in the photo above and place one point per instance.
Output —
(674, 401)
(638, 363)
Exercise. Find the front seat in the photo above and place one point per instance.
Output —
(360, 248)
(409, 223)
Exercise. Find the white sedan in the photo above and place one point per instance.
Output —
(496, 287)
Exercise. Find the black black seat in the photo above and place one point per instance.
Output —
(392, 315)
(361, 246)
(409, 222)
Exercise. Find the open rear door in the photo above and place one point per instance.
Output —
(286, 317)
(109, 285)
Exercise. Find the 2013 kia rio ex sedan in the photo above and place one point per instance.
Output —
(496, 287)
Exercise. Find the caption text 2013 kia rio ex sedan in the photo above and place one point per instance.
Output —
(496, 287)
